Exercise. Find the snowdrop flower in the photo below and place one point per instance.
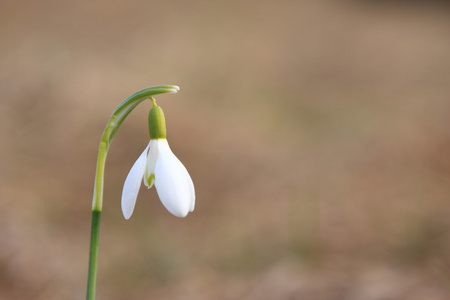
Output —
(158, 166)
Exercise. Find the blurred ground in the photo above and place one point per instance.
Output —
(316, 132)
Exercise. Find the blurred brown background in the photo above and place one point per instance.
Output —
(316, 132)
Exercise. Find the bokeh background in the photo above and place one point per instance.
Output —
(316, 132)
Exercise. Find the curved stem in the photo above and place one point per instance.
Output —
(116, 119)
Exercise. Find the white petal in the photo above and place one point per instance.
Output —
(173, 183)
(132, 185)
(192, 190)
(151, 162)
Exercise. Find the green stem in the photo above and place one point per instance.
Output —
(116, 119)
(93, 254)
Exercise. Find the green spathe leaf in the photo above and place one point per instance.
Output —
(156, 123)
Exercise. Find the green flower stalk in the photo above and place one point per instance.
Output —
(173, 183)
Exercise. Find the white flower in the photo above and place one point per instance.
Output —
(158, 165)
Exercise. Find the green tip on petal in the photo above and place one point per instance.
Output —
(150, 180)
(157, 123)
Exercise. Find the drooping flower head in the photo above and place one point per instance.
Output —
(158, 166)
